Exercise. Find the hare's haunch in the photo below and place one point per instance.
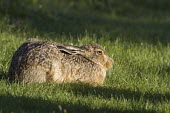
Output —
(43, 61)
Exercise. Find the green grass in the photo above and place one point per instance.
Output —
(137, 39)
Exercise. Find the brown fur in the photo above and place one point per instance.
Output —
(43, 61)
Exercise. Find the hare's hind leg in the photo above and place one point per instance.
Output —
(34, 74)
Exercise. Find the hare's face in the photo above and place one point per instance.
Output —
(97, 54)
(103, 58)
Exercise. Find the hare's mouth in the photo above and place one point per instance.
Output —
(109, 63)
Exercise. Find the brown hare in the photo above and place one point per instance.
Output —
(43, 61)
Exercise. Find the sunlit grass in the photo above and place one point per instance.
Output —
(137, 40)
(138, 82)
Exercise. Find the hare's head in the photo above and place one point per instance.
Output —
(92, 52)
(98, 55)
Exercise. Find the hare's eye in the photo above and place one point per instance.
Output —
(99, 52)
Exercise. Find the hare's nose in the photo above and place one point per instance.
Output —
(111, 60)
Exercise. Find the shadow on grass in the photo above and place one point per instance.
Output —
(3, 75)
(24, 104)
(61, 22)
(107, 93)
(75, 25)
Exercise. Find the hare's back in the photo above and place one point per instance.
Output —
(33, 54)
(36, 52)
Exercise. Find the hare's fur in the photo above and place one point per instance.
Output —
(43, 61)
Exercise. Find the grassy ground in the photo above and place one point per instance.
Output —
(135, 34)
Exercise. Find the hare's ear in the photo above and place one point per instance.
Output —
(72, 50)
